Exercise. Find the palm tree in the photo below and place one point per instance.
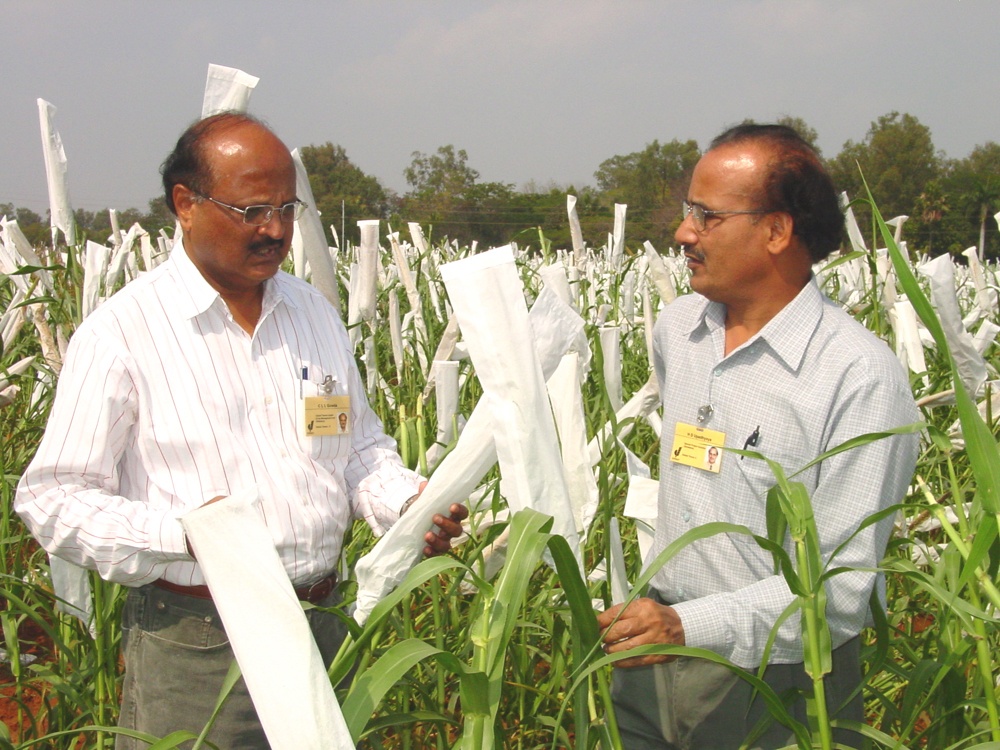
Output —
(986, 195)
(931, 206)
(981, 186)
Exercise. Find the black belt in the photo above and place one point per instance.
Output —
(313, 593)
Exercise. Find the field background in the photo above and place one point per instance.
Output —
(482, 650)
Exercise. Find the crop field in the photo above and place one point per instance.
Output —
(496, 645)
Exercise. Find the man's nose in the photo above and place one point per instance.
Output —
(275, 227)
(685, 234)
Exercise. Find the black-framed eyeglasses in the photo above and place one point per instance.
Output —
(699, 214)
(259, 215)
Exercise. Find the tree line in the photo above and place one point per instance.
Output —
(950, 202)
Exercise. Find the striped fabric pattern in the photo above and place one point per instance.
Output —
(165, 403)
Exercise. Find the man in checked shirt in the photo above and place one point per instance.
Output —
(758, 357)
(214, 373)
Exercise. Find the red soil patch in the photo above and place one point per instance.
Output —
(16, 710)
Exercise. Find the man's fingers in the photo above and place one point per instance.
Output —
(439, 542)
(436, 544)
(628, 643)
(608, 616)
(644, 622)
(447, 526)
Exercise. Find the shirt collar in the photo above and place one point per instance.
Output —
(201, 295)
(787, 333)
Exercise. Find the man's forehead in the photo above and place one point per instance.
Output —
(249, 151)
(244, 138)
(730, 169)
(229, 148)
(738, 161)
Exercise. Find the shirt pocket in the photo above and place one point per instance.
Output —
(758, 480)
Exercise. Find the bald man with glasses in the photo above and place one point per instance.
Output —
(213, 374)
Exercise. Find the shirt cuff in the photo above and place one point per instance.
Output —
(168, 540)
(399, 491)
(704, 623)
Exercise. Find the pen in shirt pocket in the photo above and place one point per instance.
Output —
(305, 377)
(751, 442)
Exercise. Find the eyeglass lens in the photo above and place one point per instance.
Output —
(696, 212)
(260, 215)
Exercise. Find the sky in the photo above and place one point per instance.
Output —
(537, 93)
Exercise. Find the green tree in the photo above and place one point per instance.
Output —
(653, 183)
(23, 216)
(543, 209)
(800, 126)
(129, 216)
(157, 216)
(931, 208)
(446, 173)
(343, 192)
(975, 186)
(35, 230)
(897, 159)
(446, 196)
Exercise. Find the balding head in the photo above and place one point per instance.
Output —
(190, 162)
(795, 182)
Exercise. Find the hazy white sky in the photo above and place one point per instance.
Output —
(532, 90)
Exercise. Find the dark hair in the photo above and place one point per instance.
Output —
(186, 164)
(796, 183)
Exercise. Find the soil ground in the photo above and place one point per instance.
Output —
(15, 711)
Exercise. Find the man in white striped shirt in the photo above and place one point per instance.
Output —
(758, 358)
(204, 377)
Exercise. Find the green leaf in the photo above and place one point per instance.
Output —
(371, 686)
(984, 455)
(421, 572)
(232, 677)
(777, 523)
(773, 702)
(986, 535)
(586, 641)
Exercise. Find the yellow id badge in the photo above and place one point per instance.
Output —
(327, 415)
(698, 447)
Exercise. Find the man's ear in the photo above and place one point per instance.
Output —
(780, 232)
(184, 202)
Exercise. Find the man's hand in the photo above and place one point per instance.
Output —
(449, 528)
(644, 622)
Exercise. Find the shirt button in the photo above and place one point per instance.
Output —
(717, 372)
(268, 400)
(680, 593)
(284, 454)
(686, 516)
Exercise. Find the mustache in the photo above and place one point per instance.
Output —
(691, 252)
(266, 246)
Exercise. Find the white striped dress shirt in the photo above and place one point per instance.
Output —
(807, 382)
(165, 402)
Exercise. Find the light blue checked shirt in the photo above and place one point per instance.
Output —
(810, 380)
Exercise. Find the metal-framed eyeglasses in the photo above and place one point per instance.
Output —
(699, 214)
(259, 215)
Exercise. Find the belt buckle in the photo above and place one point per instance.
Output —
(320, 589)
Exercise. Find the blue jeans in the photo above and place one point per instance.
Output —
(177, 655)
